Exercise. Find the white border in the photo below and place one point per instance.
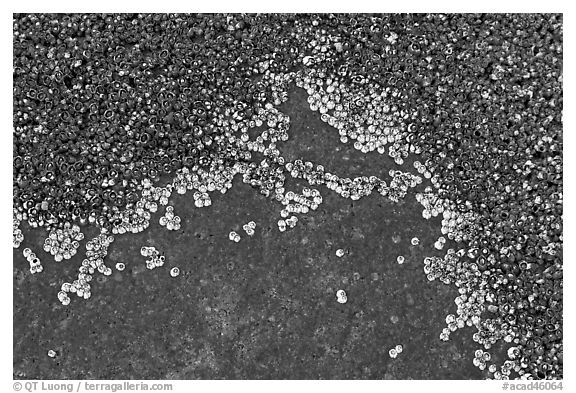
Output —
(300, 6)
(295, 6)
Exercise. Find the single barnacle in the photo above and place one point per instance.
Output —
(341, 296)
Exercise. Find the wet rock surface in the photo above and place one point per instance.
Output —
(261, 308)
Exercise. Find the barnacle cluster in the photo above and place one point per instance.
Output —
(108, 108)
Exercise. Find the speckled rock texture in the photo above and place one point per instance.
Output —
(263, 308)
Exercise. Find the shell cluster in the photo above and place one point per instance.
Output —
(155, 257)
(33, 260)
